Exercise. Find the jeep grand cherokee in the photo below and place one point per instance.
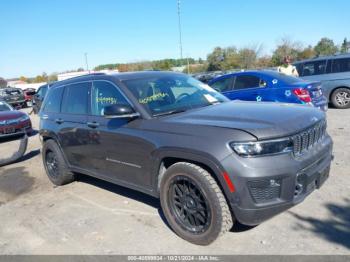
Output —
(210, 161)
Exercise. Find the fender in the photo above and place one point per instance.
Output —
(45, 134)
(191, 156)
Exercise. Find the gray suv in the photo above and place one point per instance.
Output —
(334, 74)
(210, 161)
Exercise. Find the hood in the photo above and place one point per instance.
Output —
(7, 115)
(262, 120)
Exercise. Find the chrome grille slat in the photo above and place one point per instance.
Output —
(308, 138)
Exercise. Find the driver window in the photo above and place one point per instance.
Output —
(105, 94)
(223, 85)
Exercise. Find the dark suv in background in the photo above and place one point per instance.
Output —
(38, 98)
(209, 160)
(334, 74)
(13, 96)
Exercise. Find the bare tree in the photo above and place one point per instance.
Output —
(3, 83)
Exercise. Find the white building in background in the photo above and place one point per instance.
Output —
(65, 76)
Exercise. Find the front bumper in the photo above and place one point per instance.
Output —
(267, 186)
(12, 132)
(321, 103)
(16, 102)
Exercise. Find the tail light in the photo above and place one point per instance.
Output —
(302, 94)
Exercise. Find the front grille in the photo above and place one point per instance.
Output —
(265, 190)
(308, 138)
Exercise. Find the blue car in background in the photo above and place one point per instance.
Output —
(270, 86)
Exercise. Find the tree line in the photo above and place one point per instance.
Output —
(227, 58)
(220, 58)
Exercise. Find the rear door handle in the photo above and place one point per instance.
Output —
(93, 124)
(59, 120)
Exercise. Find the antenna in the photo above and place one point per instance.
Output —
(179, 24)
(86, 62)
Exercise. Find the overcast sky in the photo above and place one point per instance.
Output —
(52, 36)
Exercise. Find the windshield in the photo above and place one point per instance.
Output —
(4, 107)
(13, 92)
(172, 93)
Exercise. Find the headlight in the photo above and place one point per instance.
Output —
(269, 147)
(23, 118)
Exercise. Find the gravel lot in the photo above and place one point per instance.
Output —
(95, 217)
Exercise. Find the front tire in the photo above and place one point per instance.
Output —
(55, 165)
(341, 98)
(193, 204)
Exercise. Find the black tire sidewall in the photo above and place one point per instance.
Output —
(214, 228)
(64, 175)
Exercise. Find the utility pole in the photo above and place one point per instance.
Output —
(188, 65)
(86, 62)
(179, 24)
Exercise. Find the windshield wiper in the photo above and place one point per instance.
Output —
(170, 112)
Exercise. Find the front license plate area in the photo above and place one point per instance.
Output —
(317, 180)
(9, 130)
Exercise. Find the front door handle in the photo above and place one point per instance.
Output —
(59, 121)
(93, 124)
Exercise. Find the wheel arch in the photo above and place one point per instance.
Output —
(336, 88)
(47, 135)
(210, 164)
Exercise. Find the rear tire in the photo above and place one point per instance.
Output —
(193, 204)
(341, 98)
(55, 165)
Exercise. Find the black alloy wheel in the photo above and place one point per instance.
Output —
(188, 205)
(52, 164)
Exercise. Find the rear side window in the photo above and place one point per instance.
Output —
(248, 81)
(223, 85)
(42, 91)
(53, 100)
(76, 98)
(314, 68)
(341, 65)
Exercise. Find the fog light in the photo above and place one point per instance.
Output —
(299, 185)
(263, 191)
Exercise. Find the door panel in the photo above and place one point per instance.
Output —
(119, 152)
(117, 149)
(247, 88)
(73, 132)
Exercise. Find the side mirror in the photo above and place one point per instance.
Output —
(120, 111)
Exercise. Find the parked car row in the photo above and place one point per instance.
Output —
(13, 96)
(270, 86)
(13, 123)
(209, 160)
(323, 81)
(206, 77)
